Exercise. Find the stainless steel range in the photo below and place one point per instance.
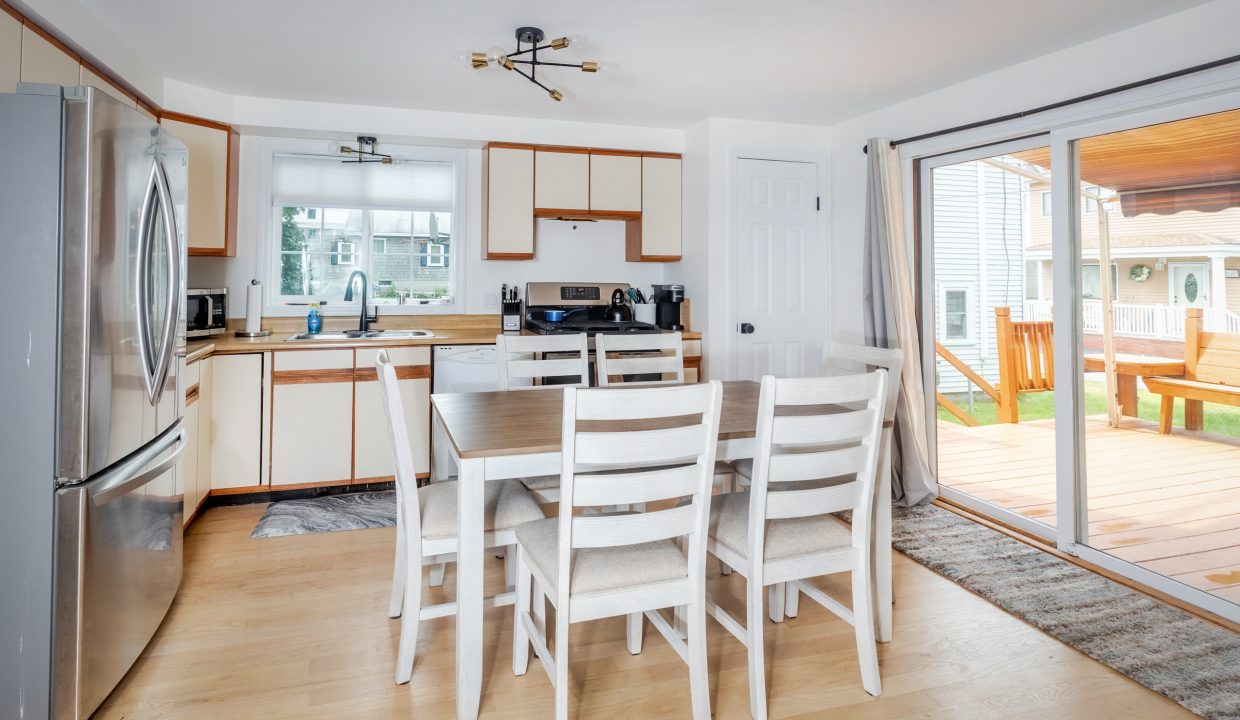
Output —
(560, 308)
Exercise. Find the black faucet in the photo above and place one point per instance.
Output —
(365, 320)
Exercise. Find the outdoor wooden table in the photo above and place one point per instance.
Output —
(516, 434)
(1130, 367)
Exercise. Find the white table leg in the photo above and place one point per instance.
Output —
(883, 598)
(470, 509)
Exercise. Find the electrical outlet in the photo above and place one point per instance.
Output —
(490, 299)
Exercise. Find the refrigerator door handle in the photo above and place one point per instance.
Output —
(118, 481)
(172, 309)
(146, 231)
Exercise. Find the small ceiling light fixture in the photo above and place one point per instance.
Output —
(363, 153)
(531, 37)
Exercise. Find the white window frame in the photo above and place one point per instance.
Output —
(970, 314)
(269, 221)
(435, 254)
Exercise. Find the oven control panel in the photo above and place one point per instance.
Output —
(579, 293)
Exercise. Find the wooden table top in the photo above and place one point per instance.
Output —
(1141, 365)
(526, 422)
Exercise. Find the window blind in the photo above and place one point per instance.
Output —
(307, 181)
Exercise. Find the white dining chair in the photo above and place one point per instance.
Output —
(645, 354)
(523, 361)
(816, 450)
(598, 566)
(426, 522)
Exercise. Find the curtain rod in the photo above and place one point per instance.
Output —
(1066, 103)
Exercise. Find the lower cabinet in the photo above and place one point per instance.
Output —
(372, 448)
(237, 421)
(190, 420)
(206, 435)
(311, 417)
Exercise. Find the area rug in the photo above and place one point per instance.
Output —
(1189, 660)
(328, 513)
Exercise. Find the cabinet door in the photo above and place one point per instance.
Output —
(311, 417)
(188, 467)
(206, 405)
(10, 52)
(561, 180)
(44, 62)
(372, 448)
(508, 183)
(237, 421)
(615, 183)
(91, 78)
(211, 227)
(659, 239)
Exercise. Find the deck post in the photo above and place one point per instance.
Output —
(1194, 413)
(1008, 410)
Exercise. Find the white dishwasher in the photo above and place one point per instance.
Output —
(458, 368)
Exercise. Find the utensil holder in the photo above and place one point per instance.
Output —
(644, 313)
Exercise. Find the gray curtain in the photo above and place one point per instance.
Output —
(890, 314)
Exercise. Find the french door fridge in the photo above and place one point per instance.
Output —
(93, 201)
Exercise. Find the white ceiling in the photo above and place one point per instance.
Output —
(670, 63)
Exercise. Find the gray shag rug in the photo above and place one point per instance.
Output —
(1191, 661)
(328, 513)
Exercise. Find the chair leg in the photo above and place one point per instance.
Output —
(1164, 414)
(521, 608)
(510, 568)
(775, 605)
(699, 674)
(561, 660)
(435, 578)
(410, 618)
(863, 623)
(633, 632)
(792, 600)
(757, 651)
(397, 598)
(539, 612)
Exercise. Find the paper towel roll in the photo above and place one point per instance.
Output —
(253, 307)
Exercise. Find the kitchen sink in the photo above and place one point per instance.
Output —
(350, 335)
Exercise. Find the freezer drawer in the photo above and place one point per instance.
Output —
(118, 569)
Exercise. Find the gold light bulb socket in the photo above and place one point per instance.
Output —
(556, 95)
(590, 67)
(478, 60)
(506, 63)
(346, 149)
(559, 43)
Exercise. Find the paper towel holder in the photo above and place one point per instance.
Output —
(255, 288)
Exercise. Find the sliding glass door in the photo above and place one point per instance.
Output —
(1086, 354)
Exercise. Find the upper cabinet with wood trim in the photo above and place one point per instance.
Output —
(508, 202)
(44, 61)
(615, 182)
(95, 80)
(656, 237)
(214, 152)
(10, 52)
(561, 181)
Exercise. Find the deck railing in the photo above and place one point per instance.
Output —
(1161, 322)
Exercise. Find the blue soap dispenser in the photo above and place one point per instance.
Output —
(314, 321)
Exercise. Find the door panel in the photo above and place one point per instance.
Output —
(1190, 285)
(778, 243)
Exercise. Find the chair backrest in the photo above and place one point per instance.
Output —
(817, 429)
(662, 353)
(1209, 356)
(529, 365)
(1026, 353)
(642, 445)
(839, 355)
(402, 454)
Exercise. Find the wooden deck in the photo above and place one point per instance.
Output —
(1168, 503)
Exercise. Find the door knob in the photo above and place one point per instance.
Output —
(746, 329)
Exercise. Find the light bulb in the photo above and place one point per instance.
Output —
(333, 147)
(460, 56)
(573, 39)
(495, 52)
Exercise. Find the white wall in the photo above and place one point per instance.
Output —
(1178, 41)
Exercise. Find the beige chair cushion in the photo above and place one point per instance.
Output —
(507, 506)
(597, 569)
(729, 526)
(545, 482)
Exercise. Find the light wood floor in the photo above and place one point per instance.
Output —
(1170, 503)
(296, 628)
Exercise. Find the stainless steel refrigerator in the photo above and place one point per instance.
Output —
(92, 214)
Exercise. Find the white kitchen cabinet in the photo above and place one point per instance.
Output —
(615, 182)
(237, 421)
(10, 52)
(203, 436)
(372, 451)
(508, 202)
(213, 168)
(312, 417)
(656, 237)
(561, 181)
(188, 468)
(45, 62)
(91, 78)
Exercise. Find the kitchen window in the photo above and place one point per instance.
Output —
(397, 223)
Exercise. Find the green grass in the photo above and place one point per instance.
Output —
(1220, 419)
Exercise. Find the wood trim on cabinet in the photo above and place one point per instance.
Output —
(509, 256)
(665, 156)
(193, 120)
(618, 153)
(486, 193)
(562, 149)
(304, 377)
(12, 11)
(510, 146)
(403, 372)
(232, 192)
(191, 395)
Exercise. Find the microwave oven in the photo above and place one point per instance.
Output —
(206, 312)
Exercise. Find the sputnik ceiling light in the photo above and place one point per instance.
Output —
(363, 153)
(530, 37)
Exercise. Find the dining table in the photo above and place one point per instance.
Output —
(517, 434)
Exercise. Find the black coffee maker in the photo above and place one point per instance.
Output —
(667, 300)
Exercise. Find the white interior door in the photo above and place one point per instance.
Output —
(1190, 286)
(779, 295)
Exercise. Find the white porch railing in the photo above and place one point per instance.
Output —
(1161, 322)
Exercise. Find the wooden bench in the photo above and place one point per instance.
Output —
(1211, 374)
